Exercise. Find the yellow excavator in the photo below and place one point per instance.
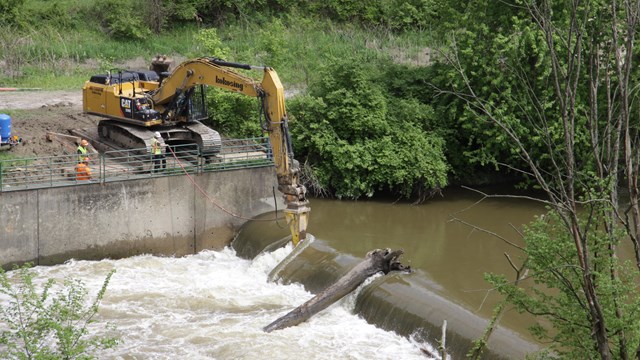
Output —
(138, 103)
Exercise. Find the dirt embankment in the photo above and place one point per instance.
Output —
(34, 113)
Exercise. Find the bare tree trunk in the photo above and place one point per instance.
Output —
(379, 260)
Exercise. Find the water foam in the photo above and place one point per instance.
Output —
(213, 305)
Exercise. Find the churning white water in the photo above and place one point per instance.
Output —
(213, 305)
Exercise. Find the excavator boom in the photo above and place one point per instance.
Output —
(166, 104)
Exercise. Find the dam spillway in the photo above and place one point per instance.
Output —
(410, 305)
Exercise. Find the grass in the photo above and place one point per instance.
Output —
(46, 59)
(299, 49)
(5, 154)
(51, 58)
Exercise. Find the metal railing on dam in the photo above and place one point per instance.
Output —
(118, 165)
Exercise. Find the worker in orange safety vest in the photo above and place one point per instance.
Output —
(83, 172)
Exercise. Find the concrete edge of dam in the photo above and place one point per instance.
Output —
(166, 216)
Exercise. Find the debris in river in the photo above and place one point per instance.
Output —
(379, 260)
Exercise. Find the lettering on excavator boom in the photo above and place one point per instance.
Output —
(225, 82)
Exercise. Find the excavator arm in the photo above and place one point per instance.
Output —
(215, 72)
(287, 169)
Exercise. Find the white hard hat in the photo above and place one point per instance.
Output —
(157, 134)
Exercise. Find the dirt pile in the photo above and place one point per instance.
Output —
(34, 113)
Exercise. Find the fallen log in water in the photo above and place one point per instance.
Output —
(379, 260)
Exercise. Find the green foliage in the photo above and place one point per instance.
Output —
(557, 294)
(273, 45)
(499, 53)
(209, 44)
(51, 322)
(408, 15)
(422, 85)
(60, 14)
(123, 20)
(394, 14)
(11, 11)
(356, 145)
(180, 11)
(486, 55)
(234, 115)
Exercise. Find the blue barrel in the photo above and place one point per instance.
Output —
(5, 127)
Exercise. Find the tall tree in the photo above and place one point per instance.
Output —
(569, 71)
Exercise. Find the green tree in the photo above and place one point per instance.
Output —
(563, 103)
(51, 322)
(355, 145)
(494, 53)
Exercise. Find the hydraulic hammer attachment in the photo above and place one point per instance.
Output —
(297, 215)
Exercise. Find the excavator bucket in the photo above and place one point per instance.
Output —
(298, 218)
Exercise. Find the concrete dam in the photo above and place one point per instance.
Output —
(161, 216)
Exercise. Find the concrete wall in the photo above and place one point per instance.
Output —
(162, 216)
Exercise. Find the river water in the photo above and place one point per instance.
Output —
(213, 305)
(453, 238)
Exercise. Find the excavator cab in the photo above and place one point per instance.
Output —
(142, 110)
(138, 109)
(189, 106)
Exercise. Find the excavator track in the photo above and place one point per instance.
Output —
(128, 136)
(208, 139)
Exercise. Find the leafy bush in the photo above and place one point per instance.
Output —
(48, 324)
(59, 14)
(209, 44)
(356, 145)
(123, 20)
(234, 115)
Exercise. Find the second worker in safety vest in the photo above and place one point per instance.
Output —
(82, 150)
(159, 159)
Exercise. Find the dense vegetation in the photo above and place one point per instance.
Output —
(538, 90)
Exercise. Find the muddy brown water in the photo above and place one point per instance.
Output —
(453, 253)
(447, 237)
